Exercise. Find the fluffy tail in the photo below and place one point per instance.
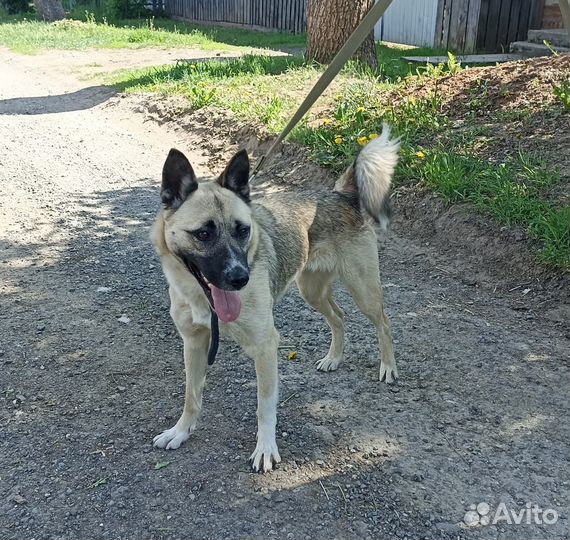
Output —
(371, 175)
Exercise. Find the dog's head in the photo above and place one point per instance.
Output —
(208, 226)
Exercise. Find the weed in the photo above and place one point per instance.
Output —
(201, 96)
(549, 46)
(453, 66)
(562, 92)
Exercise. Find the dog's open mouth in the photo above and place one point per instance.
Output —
(226, 304)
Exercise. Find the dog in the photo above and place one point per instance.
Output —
(227, 257)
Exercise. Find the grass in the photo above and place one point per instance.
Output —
(30, 36)
(251, 87)
(264, 88)
(511, 192)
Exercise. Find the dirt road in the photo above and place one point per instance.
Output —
(480, 414)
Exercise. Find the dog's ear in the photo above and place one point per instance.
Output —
(178, 180)
(236, 175)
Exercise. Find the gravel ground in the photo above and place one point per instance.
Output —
(91, 367)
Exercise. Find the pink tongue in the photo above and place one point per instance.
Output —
(226, 303)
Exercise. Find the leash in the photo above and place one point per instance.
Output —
(337, 63)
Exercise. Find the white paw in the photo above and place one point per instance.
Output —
(264, 456)
(172, 438)
(388, 373)
(329, 363)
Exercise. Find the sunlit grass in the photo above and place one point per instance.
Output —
(31, 36)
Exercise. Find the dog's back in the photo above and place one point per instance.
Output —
(317, 229)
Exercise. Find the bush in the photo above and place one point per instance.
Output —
(15, 6)
(125, 9)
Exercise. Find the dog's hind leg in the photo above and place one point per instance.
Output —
(315, 287)
(361, 275)
(196, 341)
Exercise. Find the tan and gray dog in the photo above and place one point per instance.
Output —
(230, 258)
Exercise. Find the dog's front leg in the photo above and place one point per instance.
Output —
(196, 342)
(265, 357)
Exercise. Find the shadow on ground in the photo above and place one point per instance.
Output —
(86, 98)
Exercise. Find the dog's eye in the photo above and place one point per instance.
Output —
(202, 235)
(242, 230)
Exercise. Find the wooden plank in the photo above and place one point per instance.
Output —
(524, 18)
(458, 25)
(293, 16)
(472, 25)
(447, 12)
(438, 41)
(298, 17)
(514, 16)
(565, 12)
(492, 29)
(503, 26)
(467, 59)
(482, 24)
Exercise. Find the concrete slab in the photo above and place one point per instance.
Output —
(467, 59)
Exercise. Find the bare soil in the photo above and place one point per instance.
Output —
(480, 413)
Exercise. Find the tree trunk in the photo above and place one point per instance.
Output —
(329, 25)
(49, 10)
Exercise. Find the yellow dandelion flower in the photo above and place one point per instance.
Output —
(292, 355)
(420, 154)
(372, 136)
(362, 140)
(192, 66)
(326, 121)
(360, 110)
(338, 139)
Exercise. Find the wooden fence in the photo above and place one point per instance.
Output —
(485, 25)
(460, 25)
(285, 15)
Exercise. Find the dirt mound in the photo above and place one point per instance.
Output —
(515, 105)
(509, 86)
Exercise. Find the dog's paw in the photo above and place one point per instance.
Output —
(388, 373)
(171, 439)
(328, 363)
(264, 456)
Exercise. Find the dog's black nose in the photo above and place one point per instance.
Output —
(237, 276)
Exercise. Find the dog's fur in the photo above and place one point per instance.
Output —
(312, 237)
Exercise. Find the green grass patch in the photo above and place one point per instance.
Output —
(358, 116)
(251, 86)
(30, 36)
(511, 192)
(267, 89)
